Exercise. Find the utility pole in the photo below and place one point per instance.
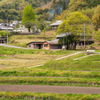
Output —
(84, 36)
(7, 27)
(35, 39)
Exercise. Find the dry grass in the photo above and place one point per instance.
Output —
(48, 33)
(18, 63)
(25, 60)
(36, 57)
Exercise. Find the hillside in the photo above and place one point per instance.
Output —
(15, 7)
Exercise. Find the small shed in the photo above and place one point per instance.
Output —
(39, 45)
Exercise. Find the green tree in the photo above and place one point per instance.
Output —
(74, 26)
(42, 24)
(96, 18)
(68, 39)
(97, 36)
(1, 21)
(28, 16)
(4, 33)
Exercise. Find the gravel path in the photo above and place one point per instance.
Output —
(50, 89)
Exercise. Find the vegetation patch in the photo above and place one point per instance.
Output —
(72, 65)
(46, 96)
(13, 51)
(51, 81)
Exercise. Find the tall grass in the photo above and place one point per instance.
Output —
(47, 72)
(46, 96)
(51, 81)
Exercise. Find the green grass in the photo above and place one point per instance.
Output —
(92, 58)
(46, 96)
(50, 81)
(90, 63)
(2, 57)
(12, 51)
(47, 72)
(72, 65)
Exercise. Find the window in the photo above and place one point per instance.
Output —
(45, 45)
(29, 45)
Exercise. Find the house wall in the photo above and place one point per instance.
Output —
(46, 47)
(54, 46)
(31, 46)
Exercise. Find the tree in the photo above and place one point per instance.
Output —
(74, 26)
(68, 39)
(1, 21)
(42, 24)
(96, 18)
(28, 16)
(4, 33)
(97, 36)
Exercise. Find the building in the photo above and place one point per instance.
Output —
(3, 40)
(53, 44)
(56, 24)
(3, 27)
(39, 45)
(9, 29)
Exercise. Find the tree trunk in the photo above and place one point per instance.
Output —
(29, 29)
(74, 47)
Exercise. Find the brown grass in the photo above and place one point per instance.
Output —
(25, 60)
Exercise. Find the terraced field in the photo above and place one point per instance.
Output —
(67, 74)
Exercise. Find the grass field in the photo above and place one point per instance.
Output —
(95, 82)
(66, 72)
(90, 63)
(46, 96)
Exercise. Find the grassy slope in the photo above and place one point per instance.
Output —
(70, 64)
(22, 40)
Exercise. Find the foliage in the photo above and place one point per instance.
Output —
(28, 16)
(97, 36)
(96, 18)
(74, 25)
(67, 40)
(4, 33)
(1, 21)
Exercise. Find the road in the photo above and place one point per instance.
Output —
(50, 89)
(5, 45)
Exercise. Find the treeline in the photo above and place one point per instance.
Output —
(13, 9)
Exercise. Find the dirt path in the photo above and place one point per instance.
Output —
(68, 55)
(50, 89)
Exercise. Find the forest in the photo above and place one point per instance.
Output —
(13, 8)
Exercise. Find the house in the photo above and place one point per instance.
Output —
(9, 29)
(51, 44)
(39, 45)
(14, 23)
(45, 45)
(3, 27)
(56, 24)
(3, 40)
